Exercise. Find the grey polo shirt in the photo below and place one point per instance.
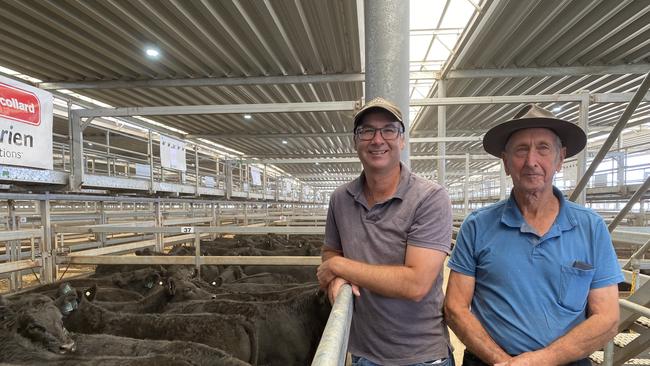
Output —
(391, 331)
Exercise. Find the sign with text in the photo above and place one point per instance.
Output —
(172, 153)
(25, 125)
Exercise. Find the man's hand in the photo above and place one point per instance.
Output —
(335, 286)
(325, 273)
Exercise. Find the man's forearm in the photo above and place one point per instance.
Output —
(581, 341)
(475, 338)
(386, 280)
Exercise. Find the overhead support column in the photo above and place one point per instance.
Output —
(48, 246)
(466, 186)
(228, 172)
(583, 122)
(442, 132)
(387, 56)
(76, 153)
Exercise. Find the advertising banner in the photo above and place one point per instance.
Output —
(256, 176)
(25, 125)
(172, 153)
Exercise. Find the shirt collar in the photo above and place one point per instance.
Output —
(355, 188)
(512, 215)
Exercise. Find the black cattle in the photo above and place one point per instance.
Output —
(192, 352)
(300, 273)
(32, 333)
(231, 333)
(289, 330)
(276, 295)
(152, 303)
(104, 293)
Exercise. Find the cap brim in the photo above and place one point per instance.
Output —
(359, 116)
(571, 135)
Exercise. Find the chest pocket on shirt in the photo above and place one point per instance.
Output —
(574, 287)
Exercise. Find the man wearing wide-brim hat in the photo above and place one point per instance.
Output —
(534, 277)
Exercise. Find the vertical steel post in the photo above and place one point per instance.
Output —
(502, 182)
(387, 56)
(466, 187)
(228, 172)
(196, 169)
(102, 220)
(76, 133)
(48, 245)
(583, 122)
(160, 244)
(13, 247)
(442, 132)
(197, 253)
(264, 182)
(151, 163)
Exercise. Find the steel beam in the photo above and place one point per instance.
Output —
(616, 97)
(500, 99)
(549, 71)
(217, 109)
(230, 81)
(356, 160)
(13, 267)
(192, 260)
(415, 140)
(270, 136)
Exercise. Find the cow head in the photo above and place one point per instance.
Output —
(37, 319)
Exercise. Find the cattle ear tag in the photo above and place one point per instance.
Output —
(66, 289)
(67, 308)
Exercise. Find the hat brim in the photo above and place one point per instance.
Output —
(571, 135)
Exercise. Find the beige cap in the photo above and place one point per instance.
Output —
(378, 103)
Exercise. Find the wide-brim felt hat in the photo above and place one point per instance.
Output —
(534, 116)
(378, 103)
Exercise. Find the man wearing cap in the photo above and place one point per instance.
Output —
(534, 277)
(387, 234)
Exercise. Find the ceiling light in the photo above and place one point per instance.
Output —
(285, 142)
(557, 109)
(247, 116)
(317, 163)
(152, 52)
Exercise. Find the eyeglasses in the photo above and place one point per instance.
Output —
(387, 133)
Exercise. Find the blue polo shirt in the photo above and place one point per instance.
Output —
(531, 290)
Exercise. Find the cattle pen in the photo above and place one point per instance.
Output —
(166, 167)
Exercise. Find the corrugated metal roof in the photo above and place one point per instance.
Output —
(86, 41)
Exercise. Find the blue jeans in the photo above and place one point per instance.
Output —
(360, 361)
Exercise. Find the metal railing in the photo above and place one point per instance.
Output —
(333, 345)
